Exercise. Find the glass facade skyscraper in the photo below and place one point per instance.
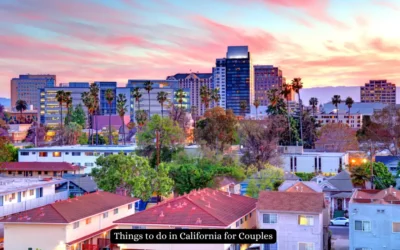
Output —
(239, 79)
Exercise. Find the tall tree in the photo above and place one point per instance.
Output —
(313, 103)
(349, 103)
(88, 101)
(269, 178)
(148, 86)
(137, 95)
(21, 106)
(215, 96)
(94, 91)
(383, 178)
(180, 96)
(256, 104)
(205, 95)
(276, 105)
(286, 93)
(336, 101)
(337, 137)
(297, 85)
(110, 98)
(243, 107)
(68, 106)
(78, 115)
(162, 97)
(62, 97)
(122, 109)
(71, 133)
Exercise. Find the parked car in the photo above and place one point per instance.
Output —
(340, 221)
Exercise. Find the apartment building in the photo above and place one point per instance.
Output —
(297, 217)
(26, 87)
(38, 169)
(20, 194)
(266, 77)
(374, 219)
(219, 80)
(65, 225)
(84, 155)
(203, 209)
(353, 120)
(378, 91)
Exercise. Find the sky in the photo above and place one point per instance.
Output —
(325, 42)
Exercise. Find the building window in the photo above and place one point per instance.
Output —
(271, 246)
(46, 172)
(306, 246)
(39, 172)
(250, 215)
(76, 225)
(138, 227)
(361, 225)
(362, 248)
(24, 153)
(396, 227)
(237, 223)
(88, 221)
(241, 221)
(24, 194)
(76, 153)
(306, 220)
(89, 164)
(105, 215)
(89, 153)
(130, 206)
(31, 192)
(116, 211)
(270, 218)
(42, 154)
(56, 154)
(19, 172)
(245, 218)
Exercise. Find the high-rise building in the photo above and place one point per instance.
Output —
(379, 91)
(266, 77)
(194, 82)
(239, 79)
(104, 107)
(219, 80)
(168, 86)
(49, 108)
(27, 88)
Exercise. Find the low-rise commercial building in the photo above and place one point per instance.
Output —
(353, 120)
(38, 169)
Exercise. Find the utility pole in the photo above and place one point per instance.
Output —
(158, 147)
(372, 166)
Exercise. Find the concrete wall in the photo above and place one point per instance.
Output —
(290, 233)
(44, 237)
(381, 235)
(306, 162)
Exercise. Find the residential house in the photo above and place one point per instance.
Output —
(299, 186)
(375, 219)
(38, 169)
(227, 184)
(203, 209)
(297, 217)
(80, 223)
(338, 190)
(21, 194)
(78, 184)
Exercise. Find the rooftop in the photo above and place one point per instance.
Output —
(386, 196)
(71, 210)
(114, 148)
(206, 207)
(38, 166)
(291, 202)
(84, 181)
(10, 185)
(300, 186)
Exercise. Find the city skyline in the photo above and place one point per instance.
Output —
(327, 43)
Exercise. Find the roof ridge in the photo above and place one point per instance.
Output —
(55, 209)
(207, 212)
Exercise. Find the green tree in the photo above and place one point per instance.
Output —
(297, 85)
(21, 106)
(83, 139)
(349, 103)
(148, 86)
(256, 104)
(78, 116)
(253, 189)
(336, 101)
(8, 151)
(132, 173)
(269, 178)
(215, 96)
(243, 107)
(88, 101)
(276, 105)
(114, 136)
(110, 96)
(68, 105)
(71, 133)
(162, 97)
(121, 110)
(205, 95)
(94, 91)
(313, 103)
(383, 178)
(286, 93)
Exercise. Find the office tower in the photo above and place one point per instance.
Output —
(104, 108)
(27, 87)
(50, 108)
(379, 91)
(266, 77)
(194, 82)
(219, 80)
(168, 86)
(239, 79)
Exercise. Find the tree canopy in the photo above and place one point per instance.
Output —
(269, 178)
(383, 178)
(337, 137)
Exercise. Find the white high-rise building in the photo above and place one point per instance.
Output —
(219, 80)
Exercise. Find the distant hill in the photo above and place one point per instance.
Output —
(6, 102)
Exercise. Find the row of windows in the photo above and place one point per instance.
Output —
(365, 226)
(303, 220)
(58, 154)
(240, 222)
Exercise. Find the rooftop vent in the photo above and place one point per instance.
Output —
(162, 214)
(198, 221)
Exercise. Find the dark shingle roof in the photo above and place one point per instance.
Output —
(83, 181)
(341, 181)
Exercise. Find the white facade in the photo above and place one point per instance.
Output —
(219, 80)
(294, 230)
(353, 120)
(20, 194)
(310, 162)
(78, 155)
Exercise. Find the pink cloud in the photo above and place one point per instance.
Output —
(382, 46)
(387, 4)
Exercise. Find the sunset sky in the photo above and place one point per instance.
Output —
(327, 43)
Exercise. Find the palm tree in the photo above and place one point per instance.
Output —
(314, 103)
(88, 101)
(109, 98)
(180, 95)
(256, 104)
(286, 92)
(205, 95)
(276, 104)
(21, 106)
(297, 85)
(162, 97)
(148, 86)
(137, 95)
(243, 107)
(215, 96)
(94, 92)
(349, 103)
(336, 101)
(68, 105)
(122, 109)
(62, 98)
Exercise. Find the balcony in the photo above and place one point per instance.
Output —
(30, 204)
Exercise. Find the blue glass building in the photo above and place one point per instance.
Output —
(103, 106)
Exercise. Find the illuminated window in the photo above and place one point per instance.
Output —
(306, 220)
(56, 154)
(42, 154)
(88, 221)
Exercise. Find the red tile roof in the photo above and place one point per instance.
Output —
(300, 187)
(291, 201)
(88, 236)
(71, 210)
(386, 196)
(38, 166)
(206, 207)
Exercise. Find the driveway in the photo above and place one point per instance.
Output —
(340, 237)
